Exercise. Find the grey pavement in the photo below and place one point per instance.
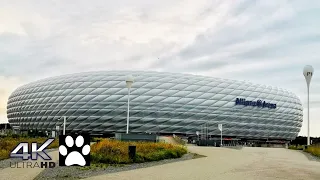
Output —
(249, 163)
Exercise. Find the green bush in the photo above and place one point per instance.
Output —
(296, 147)
(116, 152)
(139, 158)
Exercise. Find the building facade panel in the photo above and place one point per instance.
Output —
(159, 103)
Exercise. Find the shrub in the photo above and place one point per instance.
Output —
(296, 147)
(96, 139)
(7, 144)
(4, 154)
(314, 150)
(116, 152)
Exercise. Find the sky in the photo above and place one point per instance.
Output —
(265, 42)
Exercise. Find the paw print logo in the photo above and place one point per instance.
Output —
(74, 150)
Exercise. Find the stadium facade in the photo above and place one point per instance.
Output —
(96, 102)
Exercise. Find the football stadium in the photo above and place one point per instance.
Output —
(161, 103)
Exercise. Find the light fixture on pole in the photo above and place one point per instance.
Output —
(308, 72)
(129, 82)
(220, 128)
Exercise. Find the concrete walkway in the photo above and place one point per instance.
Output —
(26, 173)
(227, 164)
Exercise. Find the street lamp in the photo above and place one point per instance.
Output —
(220, 128)
(308, 72)
(129, 82)
(64, 125)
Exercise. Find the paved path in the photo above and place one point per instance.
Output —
(26, 173)
(228, 164)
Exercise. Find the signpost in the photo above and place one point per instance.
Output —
(16, 129)
(53, 134)
(220, 128)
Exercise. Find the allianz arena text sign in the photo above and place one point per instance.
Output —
(258, 103)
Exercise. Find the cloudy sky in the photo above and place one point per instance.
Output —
(261, 41)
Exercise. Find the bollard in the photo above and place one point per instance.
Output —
(132, 152)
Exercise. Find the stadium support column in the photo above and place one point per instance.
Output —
(129, 82)
(308, 72)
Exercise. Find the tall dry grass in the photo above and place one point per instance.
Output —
(116, 152)
(296, 147)
(314, 150)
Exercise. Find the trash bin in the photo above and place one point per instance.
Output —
(132, 152)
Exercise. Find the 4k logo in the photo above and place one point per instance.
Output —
(35, 151)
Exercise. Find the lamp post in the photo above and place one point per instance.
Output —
(64, 125)
(220, 128)
(197, 133)
(129, 82)
(308, 72)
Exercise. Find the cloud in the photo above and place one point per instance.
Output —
(7, 86)
(265, 42)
